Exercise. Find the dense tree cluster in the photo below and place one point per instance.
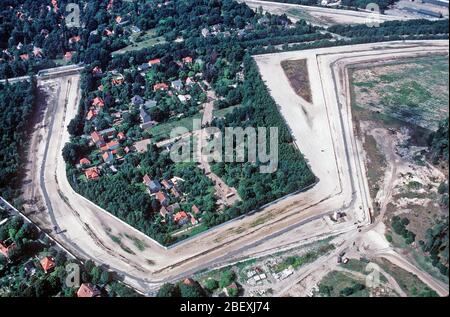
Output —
(399, 225)
(436, 244)
(21, 274)
(17, 102)
(439, 143)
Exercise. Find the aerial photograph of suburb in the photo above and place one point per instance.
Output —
(224, 153)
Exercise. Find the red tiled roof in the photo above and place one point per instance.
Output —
(161, 196)
(121, 136)
(160, 86)
(6, 249)
(154, 61)
(96, 136)
(179, 216)
(87, 290)
(90, 115)
(85, 161)
(98, 102)
(92, 173)
(47, 264)
(24, 57)
(187, 59)
(195, 209)
(147, 179)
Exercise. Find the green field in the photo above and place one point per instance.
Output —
(412, 90)
(140, 41)
(338, 284)
(162, 130)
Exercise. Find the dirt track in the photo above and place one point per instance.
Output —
(322, 134)
(319, 15)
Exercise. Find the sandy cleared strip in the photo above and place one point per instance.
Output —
(320, 15)
(322, 132)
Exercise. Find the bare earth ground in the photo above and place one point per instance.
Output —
(324, 132)
(319, 15)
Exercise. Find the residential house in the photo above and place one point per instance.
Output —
(174, 208)
(205, 32)
(150, 104)
(92, 113)
(154, 186)
(109, 133)
(47, 264)
(146, 180)
(37, 51)
(143, 67)
(154, 62)
(88, 290)
(118, 80)
(29, 268)
(181, 218)
(160, 86)
(177, 84)
(121, 136)
(187, 60)
(189, 81)
(195, 209)
(164, 211)
(167, 184)
(92, 173)
(6, 248)
(107, 157)
(113, 145)
(162, 198)
(137, 100)
(97, 138)
(24, 57)
(174, 191)
(96, 71)
(193, 220)
(146, 120)
(85, 161)
(98, 102)
(184, 98)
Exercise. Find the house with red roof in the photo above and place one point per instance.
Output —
(155, 61)
(97, 71)
(187, 60)
(147, 180)
(107, 157)
(88, 290)
(162, 198)
(47, 264)
(98, 102)
(85, 161)
(24, 57)
(195, 209)
(181, 218)
(97, 138)
(121, 136)
(91, 115)
(160, 86)
(92, 173)
(5, 248)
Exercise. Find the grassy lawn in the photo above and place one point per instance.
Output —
(162, 131)
(140, 41)
(221, 113)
